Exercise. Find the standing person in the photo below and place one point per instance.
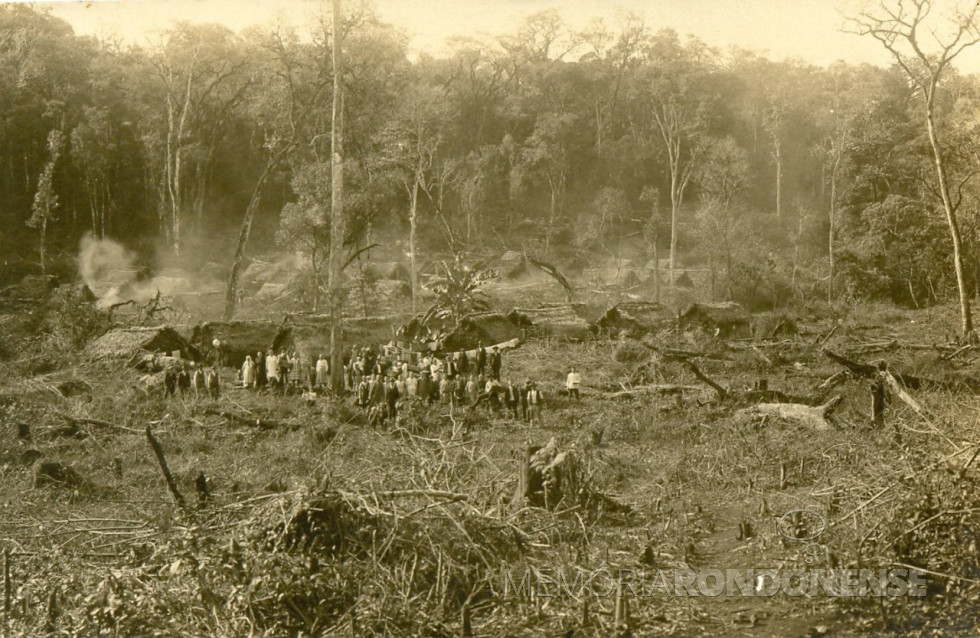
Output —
(402, 386)
(363, 393)
(212, 381)
(357, 370)
(391, 399)
(272, 368)
(184, 379)
(200, 386)
(412, 386)
(534, 400)
(285, 365)
(495, 363)
(450, 366)
(248, 372)
(459, 389)
(376, 391)
(525, 413)
(322, 372)
(170, 381)
(445, 390)
(513, 398)
(573, 382)
(260, 373)
(435, 368)
(463, 363)
(472, 390)
(481, 359)
(494, 390)
(216, 344)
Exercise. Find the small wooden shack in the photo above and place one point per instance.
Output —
(566, 322)
(635, 319)
(725, 320)
(127, 343)
(238, 338)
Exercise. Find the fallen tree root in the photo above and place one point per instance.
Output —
(813, 417)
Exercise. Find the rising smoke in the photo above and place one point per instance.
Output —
(112, 273)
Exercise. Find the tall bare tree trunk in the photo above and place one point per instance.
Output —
(336, 212)
(413, 197)
(675, 205)
(833, 228)
(231, 292)
(779, 180)
(966, 318)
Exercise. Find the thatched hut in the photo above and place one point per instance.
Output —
(485, 327)
(566, 322)
(238, 338)
(126, 343)
(721, 319)
(310, 334)
(635, 318)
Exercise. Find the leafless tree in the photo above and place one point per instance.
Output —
(924, 46)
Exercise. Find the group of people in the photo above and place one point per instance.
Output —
(382, 384)
(280, 370)
(187, 377)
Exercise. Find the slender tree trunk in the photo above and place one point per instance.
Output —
(833, 228)
(44, 234)
(674, 206)
(316, 278)
(779, 181)
(966, 318)
(413, 197)
(336, 211)
(231, 292)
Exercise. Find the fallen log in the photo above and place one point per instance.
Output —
(957, 384)
(723, 393)
(245, 419)
(869, 371)
(813, 417)
(666, 388)
(751, 396)
(77, 420)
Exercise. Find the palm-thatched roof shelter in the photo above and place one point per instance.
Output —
(126, 343)
(238, 338)
(635, 318)
(566, 322)
(726, 319)
(484, 327)
(310, 334)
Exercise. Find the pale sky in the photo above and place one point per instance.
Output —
(806, 29)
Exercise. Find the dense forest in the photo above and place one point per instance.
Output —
(624, 140)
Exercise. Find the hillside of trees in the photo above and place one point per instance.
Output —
(786, 180)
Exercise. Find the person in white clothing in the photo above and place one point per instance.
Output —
(322, 372)
(248, 372)
(573, 382)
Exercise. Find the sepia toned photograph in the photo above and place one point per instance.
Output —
(499, 319)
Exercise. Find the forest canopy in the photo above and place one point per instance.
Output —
(620, 141)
